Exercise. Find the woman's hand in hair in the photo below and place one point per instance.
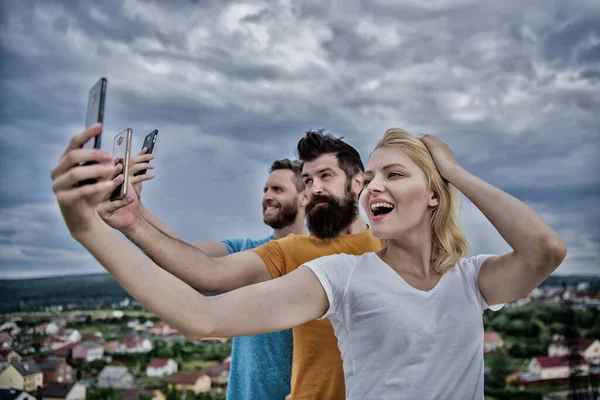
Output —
(442, 155)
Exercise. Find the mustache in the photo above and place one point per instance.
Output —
(270, 203)
(321, 198)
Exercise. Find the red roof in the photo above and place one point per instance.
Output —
(159, 362)
(93, 338)
(215, 370)
(558, 361)
(186, 377)
(581, 343)
(492, 337)
(132, 340)
(64, 351)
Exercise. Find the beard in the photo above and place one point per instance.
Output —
(327, 220)
(285, 217)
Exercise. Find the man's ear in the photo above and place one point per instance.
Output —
(303, 199)
(358, 182)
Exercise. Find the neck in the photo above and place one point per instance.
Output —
(359, 225)
(297, 228)
(411, 253)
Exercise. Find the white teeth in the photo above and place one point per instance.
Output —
(379, 205)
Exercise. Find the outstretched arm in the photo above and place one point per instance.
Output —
(206, 266)
(109, 211)
(208, 247)
(537, 249)
(261, 308)
(265, 307)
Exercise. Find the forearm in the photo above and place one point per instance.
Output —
(175, 256)
(160, 292)
(523, 229)
(157, 223)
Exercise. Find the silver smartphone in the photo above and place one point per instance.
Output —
(122, 151)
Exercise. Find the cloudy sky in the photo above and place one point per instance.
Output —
(232, 86)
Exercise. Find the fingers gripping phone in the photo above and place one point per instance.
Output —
(122, 151)
(149, 142)
(95, 114)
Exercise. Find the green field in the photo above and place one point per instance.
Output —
(195, 365)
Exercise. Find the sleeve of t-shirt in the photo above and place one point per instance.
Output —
(334, 273)
(472, 267)
(235, 245)
(273, 256)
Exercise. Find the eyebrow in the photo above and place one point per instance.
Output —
(388, 166)
(304, 175)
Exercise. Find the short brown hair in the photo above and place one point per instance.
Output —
(294, 166)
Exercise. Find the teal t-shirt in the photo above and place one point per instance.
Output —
(261, 365)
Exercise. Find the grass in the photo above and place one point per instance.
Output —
(195, 365)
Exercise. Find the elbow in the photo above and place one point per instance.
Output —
(197, 331)
(551, 252)
(200, 324)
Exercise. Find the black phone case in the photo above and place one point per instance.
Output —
(99, 89)
(149, 143)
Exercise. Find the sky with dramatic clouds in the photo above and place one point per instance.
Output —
(231, 86)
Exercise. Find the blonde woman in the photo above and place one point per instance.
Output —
(408, 319)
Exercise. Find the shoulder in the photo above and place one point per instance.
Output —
(472, 264)
(335, 264)
(468, 268)
(239, 244)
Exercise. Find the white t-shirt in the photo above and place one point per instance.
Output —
(399, 342)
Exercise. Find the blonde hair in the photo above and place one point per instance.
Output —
(449, 243)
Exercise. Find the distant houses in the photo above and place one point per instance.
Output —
(25, 376)
(63, 391)
(134, 344)
(88, 351)
(56, 369)
(195, 381)
(589, 349)
(492, 341)
(161, 367)
(8, 356)
(556, 366)
(113, 377)
(546, 367)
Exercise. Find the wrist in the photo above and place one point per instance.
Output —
(133, 230)
(92, 229)
(453, 174)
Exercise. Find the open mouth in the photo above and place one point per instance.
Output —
(379, 209)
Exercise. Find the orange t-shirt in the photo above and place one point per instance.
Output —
(317, 369)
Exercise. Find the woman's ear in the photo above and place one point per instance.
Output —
(433, 200)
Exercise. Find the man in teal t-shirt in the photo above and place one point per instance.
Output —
(261, 365)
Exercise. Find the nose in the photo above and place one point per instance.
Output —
(375, 186)
(316, 187)
(268, 196)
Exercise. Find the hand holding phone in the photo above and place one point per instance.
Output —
(149, 142)
(122, 151)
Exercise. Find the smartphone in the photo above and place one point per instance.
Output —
(149, 142)
(95, 111)
(95, 114)
(122, 151)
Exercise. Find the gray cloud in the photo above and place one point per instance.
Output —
(514, 90)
